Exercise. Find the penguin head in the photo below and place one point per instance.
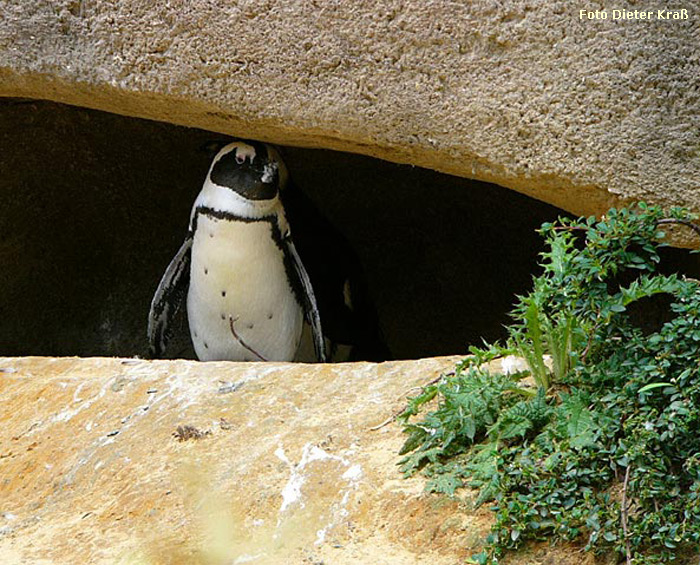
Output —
(253, 170)
(245, 177)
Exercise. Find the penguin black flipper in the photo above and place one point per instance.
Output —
(168, 299)
(309, 299)
(346, 308)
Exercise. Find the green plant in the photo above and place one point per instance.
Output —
(598, 439)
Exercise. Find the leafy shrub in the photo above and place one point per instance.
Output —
(598, 440)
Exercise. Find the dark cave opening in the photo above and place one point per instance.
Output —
(94, 205)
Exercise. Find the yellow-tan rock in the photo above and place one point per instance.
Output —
(109, 460)
(581, 113)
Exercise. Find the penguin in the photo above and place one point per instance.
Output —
(248, 293)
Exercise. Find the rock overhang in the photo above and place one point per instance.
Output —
(580, 113)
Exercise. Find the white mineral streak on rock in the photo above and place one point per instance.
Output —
(292, 491)
(68, 413)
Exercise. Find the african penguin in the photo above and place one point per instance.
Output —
(248, 293)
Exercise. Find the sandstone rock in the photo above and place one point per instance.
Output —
(131, 461)
(108, 460)
(579, 113)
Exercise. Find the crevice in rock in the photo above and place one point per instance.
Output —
(94, 205)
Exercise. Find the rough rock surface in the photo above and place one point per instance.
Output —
(579, 113)
(131, 461)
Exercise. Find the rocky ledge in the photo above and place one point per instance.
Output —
(133, 461)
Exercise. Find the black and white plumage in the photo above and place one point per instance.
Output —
(247, 290)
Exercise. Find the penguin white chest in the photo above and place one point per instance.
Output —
(240, 303)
